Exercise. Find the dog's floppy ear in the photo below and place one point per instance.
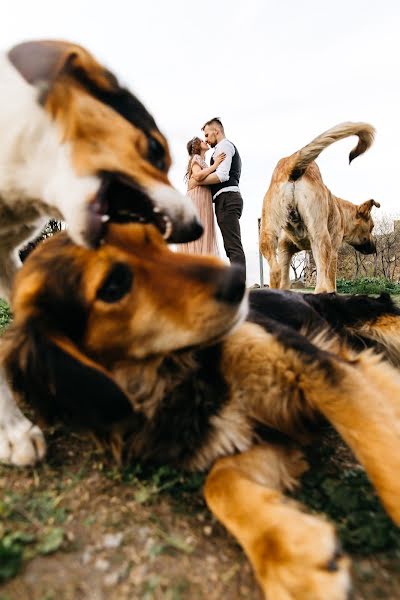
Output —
(51, 374)
(365, 208)
(41, 62)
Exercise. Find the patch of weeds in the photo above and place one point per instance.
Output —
(49, 596)
(29, 525)
(346, 496)
(11, 553)
(50, 541)
(150, 586)
(178, 591)
(367, 285)
(149, 482)
(168, 542)
(45, 507)
(89, 521)
(5, 314)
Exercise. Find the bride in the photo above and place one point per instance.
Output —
(197, 171)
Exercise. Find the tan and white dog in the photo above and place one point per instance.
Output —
(76, 146)
(300, 213)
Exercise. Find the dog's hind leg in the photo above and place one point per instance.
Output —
(294, 555)
(286, 249)
(268, 248)
(322, 251)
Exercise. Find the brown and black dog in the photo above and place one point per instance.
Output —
(149, 349)
(300, 213)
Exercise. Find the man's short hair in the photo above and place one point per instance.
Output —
(214, 121)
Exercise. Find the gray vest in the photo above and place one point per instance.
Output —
(234, 173)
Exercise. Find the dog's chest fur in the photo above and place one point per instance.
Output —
(183, 412)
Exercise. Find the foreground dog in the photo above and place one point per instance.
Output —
(75, 146)
(148, 348)
(300, 213)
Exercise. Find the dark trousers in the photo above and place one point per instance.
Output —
(228, 210)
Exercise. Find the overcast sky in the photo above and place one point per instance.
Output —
(278, 73)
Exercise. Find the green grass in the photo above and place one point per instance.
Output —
(367, 285)
(5, 314)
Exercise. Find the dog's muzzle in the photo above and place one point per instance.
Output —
(367, 248)
(231, 285)
(186, 232)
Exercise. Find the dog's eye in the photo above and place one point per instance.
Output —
(118, 283)
(156, 153)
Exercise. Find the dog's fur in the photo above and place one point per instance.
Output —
(76, 146)
(148, 348)
(300, 213)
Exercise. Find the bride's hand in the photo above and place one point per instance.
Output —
(221, 157)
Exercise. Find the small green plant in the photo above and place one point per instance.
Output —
(367, 285)
(346, 496)
(149, 481)
(29, 525)
(5, 314)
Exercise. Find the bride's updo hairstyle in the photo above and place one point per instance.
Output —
(193, 147)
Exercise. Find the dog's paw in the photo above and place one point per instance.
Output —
(21, 442)
(302, 561)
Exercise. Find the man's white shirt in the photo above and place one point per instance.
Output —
(222, 171)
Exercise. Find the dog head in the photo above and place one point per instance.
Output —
(94, 152)
(79, 313)
(360, 230)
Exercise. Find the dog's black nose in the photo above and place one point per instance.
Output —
(231, 285)
(186, 232)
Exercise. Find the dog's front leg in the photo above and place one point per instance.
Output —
(21, 442)
(294, 555)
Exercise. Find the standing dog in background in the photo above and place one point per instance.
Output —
(75, 146)
(300, 213)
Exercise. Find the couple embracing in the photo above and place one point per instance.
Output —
(218, 183)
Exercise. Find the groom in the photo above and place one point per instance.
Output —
(224, 185)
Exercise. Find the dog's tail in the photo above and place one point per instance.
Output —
(306, 155)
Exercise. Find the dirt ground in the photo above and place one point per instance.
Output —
(78, 528)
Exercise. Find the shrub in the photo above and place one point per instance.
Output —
(368, 285)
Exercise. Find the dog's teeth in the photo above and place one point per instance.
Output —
(105, 218)
(168, 228)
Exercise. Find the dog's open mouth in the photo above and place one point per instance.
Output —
(119, 200)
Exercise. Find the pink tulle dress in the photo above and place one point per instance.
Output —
(201, 198)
